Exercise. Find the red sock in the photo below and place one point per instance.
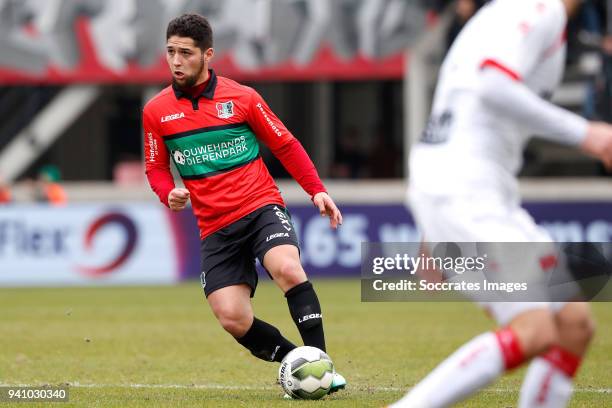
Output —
(563, 359)
(510, 348)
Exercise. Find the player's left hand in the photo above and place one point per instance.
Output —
(327, 207)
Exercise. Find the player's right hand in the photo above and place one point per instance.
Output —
(327, 207)
(598, 142)
(177, 199)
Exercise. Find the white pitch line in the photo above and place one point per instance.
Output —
(161, 386)
(267, 388)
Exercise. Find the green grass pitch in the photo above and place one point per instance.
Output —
(161, 346)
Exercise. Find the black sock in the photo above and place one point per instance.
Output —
(264, 341)
(306, 313)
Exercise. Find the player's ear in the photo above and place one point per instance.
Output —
(209, 54)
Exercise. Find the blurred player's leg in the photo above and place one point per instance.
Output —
(232, 307)
(484, 359)
(283, 264)
(549, 379)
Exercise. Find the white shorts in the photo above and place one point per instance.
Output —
(491, 219)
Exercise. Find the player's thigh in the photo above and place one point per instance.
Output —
(276, 246)
(226, 259)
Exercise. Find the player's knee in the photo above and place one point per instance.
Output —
(576, 326)
(536, 332)
(544, 337)
(588, 328)
(235, 327)
(234, 321)
(291, 273)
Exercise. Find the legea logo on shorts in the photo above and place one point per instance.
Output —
(127, 226)
(277, 235)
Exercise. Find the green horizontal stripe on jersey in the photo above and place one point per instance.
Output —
(210, 152)
(214, 173)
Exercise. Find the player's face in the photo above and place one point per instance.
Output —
(188, 63)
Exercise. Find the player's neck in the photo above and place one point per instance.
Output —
(199, 87)
(203, 77)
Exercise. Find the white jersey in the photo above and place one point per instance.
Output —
(468, 145)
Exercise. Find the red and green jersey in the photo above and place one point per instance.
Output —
(212, 139)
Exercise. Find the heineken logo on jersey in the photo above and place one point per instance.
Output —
(225, 109)
(212, 150)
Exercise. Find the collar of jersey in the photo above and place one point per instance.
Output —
(208, 92)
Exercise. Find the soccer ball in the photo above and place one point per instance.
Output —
(306, 373)
(179, 157)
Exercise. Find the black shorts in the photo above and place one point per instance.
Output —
(228, 255)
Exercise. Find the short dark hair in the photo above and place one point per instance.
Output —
(193, 26)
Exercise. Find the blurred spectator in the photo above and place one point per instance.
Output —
(604, 82)
(595, 50)
(434, 8)
(5, 192)
(464, 10)
(128, 172)
(349, 160)
(384, 158)
(47, 187)
(590, 29)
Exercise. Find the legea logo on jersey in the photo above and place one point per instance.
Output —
(225, 110)
(174, 116)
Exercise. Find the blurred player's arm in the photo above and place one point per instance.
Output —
(525, 43)
(511, 98)
(157, 167)
(271, 131)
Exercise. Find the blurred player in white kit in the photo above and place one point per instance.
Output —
(490, 99)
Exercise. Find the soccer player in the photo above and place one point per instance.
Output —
(210, 126)
(490, 98)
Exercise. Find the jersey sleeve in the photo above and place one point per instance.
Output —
(157, 160)
(266, 125)
(273, 133)
(523, 36)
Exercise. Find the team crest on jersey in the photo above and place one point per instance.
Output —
(225, 109)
